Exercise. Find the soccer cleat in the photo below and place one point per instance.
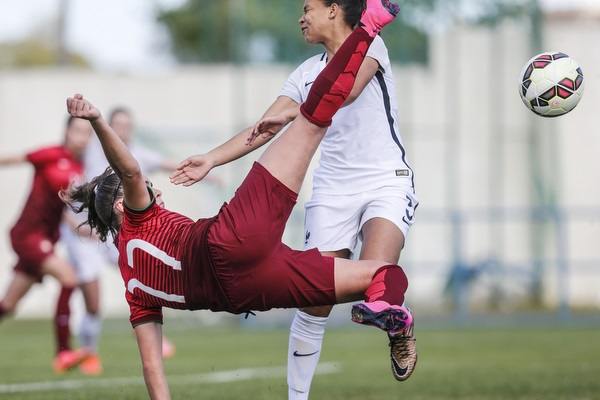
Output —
(390, 318)
(68, 359)
(378, 14)
(403, 352)
(91, 365)
(168, 348)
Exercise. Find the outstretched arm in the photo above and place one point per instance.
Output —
(74, 224)
(12, 160)
(118, 155)
(149, 339)
(195, 168)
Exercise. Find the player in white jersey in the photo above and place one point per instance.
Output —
(88, 254)
(363, 189)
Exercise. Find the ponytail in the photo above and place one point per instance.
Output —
(98, 197)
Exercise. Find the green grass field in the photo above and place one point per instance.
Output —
(453, 364)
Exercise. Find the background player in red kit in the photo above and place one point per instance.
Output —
(37, 229)
(235, 261)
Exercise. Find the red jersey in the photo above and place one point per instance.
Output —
(55, 169)
(233, 262)
(152, 244)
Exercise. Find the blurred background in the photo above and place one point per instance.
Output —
(509, 219)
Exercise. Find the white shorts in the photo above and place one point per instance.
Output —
(88, 256)
(334, 222)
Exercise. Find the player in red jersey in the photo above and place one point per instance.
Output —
(236, 261)
(37, 229)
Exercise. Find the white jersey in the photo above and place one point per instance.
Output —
(362, 149)
(95, 162)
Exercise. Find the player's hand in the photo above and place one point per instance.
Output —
(267, 128)
(79, 107)
(192, 170)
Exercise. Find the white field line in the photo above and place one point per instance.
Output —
(235, 375)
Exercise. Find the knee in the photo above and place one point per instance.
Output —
(393, 274)
(92, 303)
(373, 269)
(93, 309)
(7, 307)
(69, 280)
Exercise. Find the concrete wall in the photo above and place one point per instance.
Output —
(467, 134)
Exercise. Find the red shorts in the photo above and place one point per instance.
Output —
(255, 270)
(33, 249)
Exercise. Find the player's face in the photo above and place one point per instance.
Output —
(77, 136)
(122, 124)
(315, 21)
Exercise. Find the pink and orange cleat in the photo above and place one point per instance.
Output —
(398, 322)
(68, 359)
(380, 314)
(168, 348)
(91, 365)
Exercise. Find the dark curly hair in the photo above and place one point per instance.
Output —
(98, 198)
(353, 9)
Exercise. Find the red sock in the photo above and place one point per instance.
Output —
(61, 320)
(333, 85)
(389, 284)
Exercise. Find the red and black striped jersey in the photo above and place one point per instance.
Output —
(151, 244)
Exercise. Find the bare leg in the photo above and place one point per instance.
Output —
(91, 296)
(21, 283)
(65, 274)
(289, 156)
(19, 286)
(382, 240)
(61, 270)
(352, 278)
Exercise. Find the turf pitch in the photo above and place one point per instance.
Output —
(511, 363)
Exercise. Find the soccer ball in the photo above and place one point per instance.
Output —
(551, 84)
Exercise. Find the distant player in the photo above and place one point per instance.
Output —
(87, 254)
(236, 261)
(37, 229)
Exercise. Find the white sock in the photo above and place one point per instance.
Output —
(304, 350)
(89, 331)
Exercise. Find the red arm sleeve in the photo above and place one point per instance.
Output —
(140, 314)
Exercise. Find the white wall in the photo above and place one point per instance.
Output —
(464, 126)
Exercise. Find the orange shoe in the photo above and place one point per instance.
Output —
(91, 365)
(68, 359)
(168, 348)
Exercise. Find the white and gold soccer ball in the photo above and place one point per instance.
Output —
(551, 84)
